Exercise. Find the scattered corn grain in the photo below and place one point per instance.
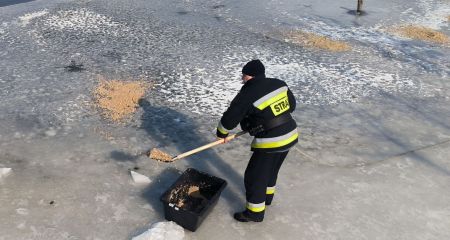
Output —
(422, 33)
(313, 40)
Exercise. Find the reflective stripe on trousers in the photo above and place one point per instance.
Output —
(275, 141)
(270, 190)
(256, 207)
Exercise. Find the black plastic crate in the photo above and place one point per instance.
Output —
(188, 209)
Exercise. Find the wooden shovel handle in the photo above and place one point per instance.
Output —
(209, 145)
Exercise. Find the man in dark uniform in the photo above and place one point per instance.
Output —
(262, 107)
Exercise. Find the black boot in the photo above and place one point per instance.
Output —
(269, 198)
(247, 216)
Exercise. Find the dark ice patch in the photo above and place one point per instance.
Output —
(182, 12)
(112, 55)
(218, 6)
(4, 3)
(357, 13)
(123, 156)
(26, 122)
(13, 161)
(74, 67)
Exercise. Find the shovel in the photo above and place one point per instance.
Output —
(164, 157)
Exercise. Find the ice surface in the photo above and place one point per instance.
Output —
(162, 231)
(372, 160)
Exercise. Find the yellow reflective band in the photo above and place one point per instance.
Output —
(272, 100)
(222, 129)
(270, 190)
(275, 144)
(256, 207)
(270, 95)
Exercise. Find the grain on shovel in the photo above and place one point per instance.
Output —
(159, 155)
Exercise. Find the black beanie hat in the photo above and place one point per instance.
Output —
(253, 68)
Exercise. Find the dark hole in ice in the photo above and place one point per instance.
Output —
(182, 12)
(218, 6)
(52, 202)
(136, 168)
(74, 67)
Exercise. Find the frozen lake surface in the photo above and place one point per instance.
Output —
(372, 162)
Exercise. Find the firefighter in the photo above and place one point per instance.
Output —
(262, 107)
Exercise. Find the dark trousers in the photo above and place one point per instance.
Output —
(262, 172)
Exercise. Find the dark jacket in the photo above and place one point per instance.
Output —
(258, 102)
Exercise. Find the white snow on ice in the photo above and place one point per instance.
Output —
(206, 92)
(162, 231)
(4, 172)
(25, 19)
(324, 83)
(139, 178)
(83, 20)
(435, 14)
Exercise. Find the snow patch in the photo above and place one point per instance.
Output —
(25, 19)
(162, 231)
(311, 81)
(22, 211)
(435, 14)
(83, 20)
(103, 198)
(119, 211)
(139, 178)
(4, 172)
(51, 132)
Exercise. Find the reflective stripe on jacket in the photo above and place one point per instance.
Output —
(260, 100)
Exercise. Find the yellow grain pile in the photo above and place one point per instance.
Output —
(422, 33)
(313, 40)
(118, 99)
(159, 155)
